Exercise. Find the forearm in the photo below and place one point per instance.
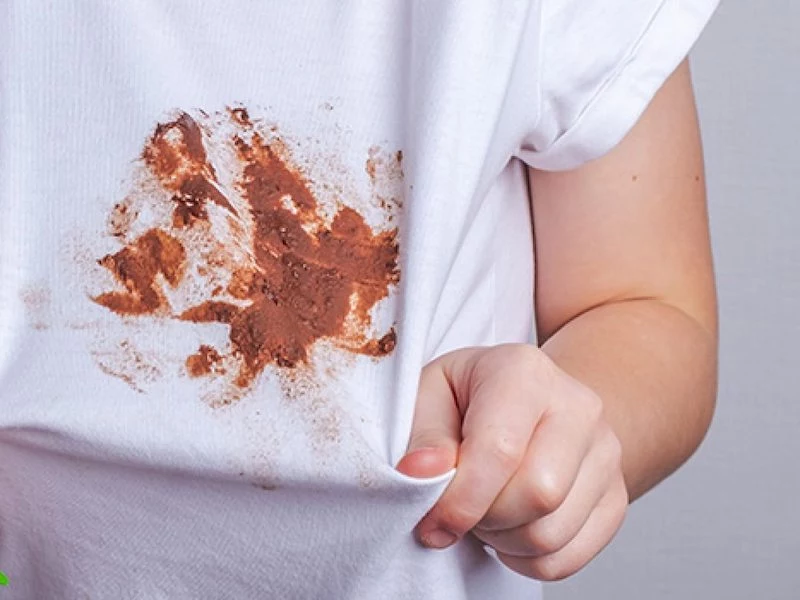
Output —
(655, 369)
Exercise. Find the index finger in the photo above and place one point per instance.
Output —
(501, 413)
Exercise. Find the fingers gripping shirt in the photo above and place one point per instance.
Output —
(230, 237)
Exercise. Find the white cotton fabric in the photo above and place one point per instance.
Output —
(119, 483)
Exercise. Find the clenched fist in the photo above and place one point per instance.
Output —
(538, 468)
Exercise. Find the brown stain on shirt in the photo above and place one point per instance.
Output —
(137, 267)
(206, 361)
(307, 277)
(176, 156)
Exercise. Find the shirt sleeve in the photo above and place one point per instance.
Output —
(600, 64)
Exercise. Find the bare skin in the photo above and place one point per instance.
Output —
(552, 442)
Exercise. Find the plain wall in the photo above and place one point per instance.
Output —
(727, 526)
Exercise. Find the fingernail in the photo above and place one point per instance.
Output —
(439, 539)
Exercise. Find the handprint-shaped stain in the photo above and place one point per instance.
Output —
(242, 240)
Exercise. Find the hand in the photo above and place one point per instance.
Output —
(539, 474)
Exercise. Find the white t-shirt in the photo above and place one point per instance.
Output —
(232, 233)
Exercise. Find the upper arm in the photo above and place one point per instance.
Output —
(630, 225)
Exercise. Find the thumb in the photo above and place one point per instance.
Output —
(436, 429)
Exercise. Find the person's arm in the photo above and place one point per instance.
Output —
(625, 298)
(551, 443)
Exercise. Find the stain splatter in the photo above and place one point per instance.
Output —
(37, 300)
(122, 216)
(137, 267)
(385, 172)
(177, 157)
(128, 364)
(240, 239)
(207, 360)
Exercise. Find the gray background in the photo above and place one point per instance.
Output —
(727, 525)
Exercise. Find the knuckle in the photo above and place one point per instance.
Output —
(505, 450)
(547, 492)
(551, 568)
(545, 539)
(502, 448)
